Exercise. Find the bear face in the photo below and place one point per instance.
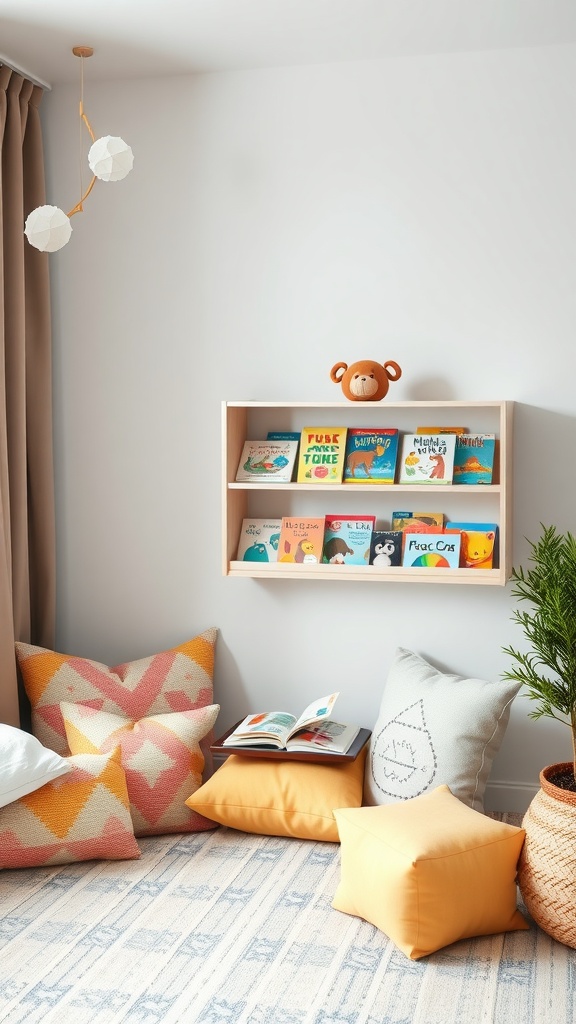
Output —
(365, 380)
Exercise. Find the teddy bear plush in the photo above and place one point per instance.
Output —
(365, 381)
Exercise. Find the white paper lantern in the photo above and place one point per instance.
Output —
(110, 158)
(48, 228)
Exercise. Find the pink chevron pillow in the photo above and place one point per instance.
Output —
(161, 756)
(83, 815)
(179, 679)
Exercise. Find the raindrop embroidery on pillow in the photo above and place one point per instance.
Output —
(403, 758)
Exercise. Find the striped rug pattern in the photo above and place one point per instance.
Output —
(229, 928)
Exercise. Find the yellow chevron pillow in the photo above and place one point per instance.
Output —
(161, 757)
(179, 679)
(83, 815)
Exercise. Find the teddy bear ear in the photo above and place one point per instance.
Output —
(335, 375)
(394, 366)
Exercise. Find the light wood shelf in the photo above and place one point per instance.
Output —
(489, 503)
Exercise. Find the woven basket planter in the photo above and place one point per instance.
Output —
(547, 867)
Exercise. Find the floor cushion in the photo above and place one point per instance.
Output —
(435, 728)
(281, 798)
(161, 757)
(83, 815)
(179, 679)
(429, 871)
(25, 765)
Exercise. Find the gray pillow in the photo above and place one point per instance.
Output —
(435, 728)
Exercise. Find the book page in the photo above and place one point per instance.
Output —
(333, 737)
(318, 711)
(273, 725)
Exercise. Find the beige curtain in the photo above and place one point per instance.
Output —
(27, 545)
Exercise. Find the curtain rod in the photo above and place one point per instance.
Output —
(22, 71)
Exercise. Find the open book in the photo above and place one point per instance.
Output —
(278, 730)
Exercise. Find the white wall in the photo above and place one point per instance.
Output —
(276, 222)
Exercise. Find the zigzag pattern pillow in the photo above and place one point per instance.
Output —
(161, 757)
(83, 815)
(179, 679)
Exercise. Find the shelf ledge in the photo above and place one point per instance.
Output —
(368, 574)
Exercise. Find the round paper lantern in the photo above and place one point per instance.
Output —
(110, 158)
(48, 228)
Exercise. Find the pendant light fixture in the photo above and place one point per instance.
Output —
(48, 228)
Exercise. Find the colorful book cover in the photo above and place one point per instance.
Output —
(386, 548)
(479, 544)
(347, 539)
(441, 430)
(321, 458)
(434, 550)
(271, 461)
(259, 539)
(418, 521)
(283, 435)
(370, 455)
(427, 458)
(301, 539)
(474, 459)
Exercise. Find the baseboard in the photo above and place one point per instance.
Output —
(509, 796)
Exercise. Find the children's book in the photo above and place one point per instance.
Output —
(418, 521)
(433, 550)
(272, 461)
(321, 458)
(328, 736)
(370, 455)
(347, 539)
(279, 730)
(386, 548)
(259, 539)
(301, 539)
(474, 459)
(427, 458)
(441, 430)
(479, 544)
(283, 435)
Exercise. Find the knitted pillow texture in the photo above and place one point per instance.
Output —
(179, 679)
(161, 757)
(83, 815)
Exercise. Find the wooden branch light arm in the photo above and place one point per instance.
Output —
(79, 205)
(83, 52)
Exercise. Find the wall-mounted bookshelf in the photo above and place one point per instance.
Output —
(477, 502)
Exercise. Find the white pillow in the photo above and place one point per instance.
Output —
(25, 764)
(435, 728)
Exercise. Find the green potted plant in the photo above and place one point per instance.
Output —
(547, 670)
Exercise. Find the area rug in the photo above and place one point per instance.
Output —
(228, 928)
